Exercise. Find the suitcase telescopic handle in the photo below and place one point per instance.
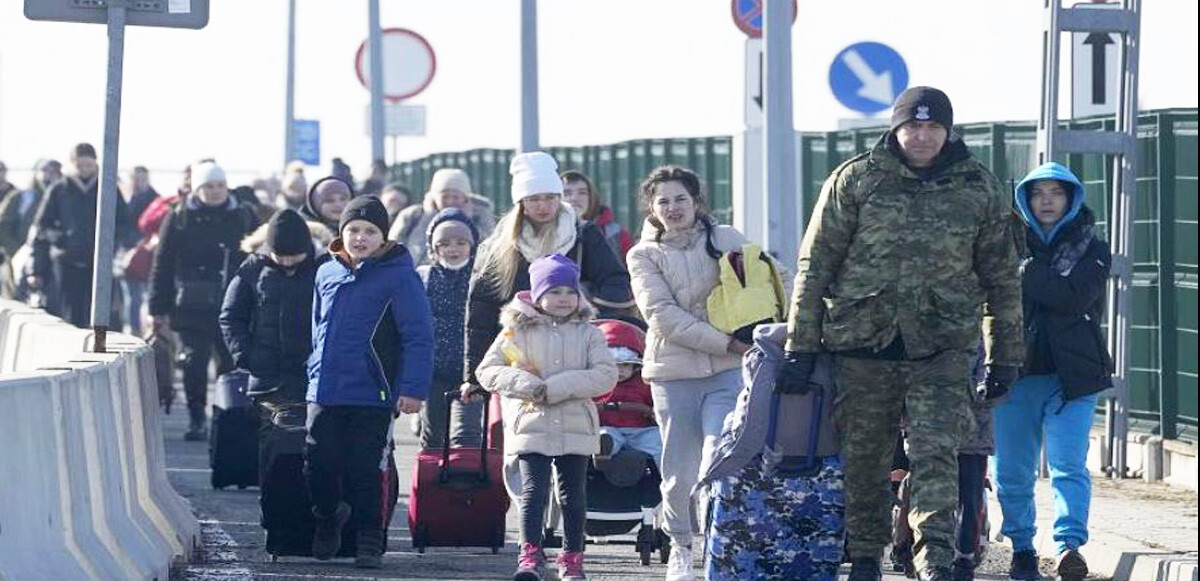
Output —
(814, 427)
(483, 440)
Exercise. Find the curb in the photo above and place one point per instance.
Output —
(1111, 556)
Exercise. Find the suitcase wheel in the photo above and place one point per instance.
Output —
(418, 538)
(497, 540)
(645, 544)
(551, 540)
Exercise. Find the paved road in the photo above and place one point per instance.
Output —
(233, 540)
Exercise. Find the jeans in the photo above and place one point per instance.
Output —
(647, 440)
(135, 294)
(1034, 407)
(690, 414)
(535, 492)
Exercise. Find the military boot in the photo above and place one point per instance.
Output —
(865, 569)
(932, 573)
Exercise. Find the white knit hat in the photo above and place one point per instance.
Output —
(534, 173)
(205, 172)
(450, 178)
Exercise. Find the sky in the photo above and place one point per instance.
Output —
(610, 70)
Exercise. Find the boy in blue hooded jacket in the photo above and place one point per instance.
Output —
(1064, 274)
(372, 357)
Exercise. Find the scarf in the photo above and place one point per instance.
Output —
(531, 246)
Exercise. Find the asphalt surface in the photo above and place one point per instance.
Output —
(233, 540)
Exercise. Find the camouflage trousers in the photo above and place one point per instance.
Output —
(932, 396)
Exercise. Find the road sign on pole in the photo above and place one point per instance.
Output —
(307, 144)
(867, 76)
(408, 64)
(1094, 69)
(754, 82)
(400, 120)
(115, 14)
(748, 16)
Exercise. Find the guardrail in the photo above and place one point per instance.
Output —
(83, 486)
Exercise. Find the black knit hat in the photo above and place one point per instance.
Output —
(287, 234)
(922, 104)
(367, 208)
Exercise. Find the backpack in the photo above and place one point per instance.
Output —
(750, 293)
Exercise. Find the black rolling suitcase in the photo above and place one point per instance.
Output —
(286, 506)
(233, 438)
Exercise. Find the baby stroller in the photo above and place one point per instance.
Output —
(623, 506)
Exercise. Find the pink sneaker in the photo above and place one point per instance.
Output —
(570, 566)
(531, 563)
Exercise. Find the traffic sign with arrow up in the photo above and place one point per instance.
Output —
(1094, 64)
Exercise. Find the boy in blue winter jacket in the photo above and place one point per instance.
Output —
(372, 357)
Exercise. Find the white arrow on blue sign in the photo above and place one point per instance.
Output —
(307, 148)
(867, 76)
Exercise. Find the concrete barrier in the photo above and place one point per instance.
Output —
(83, 486)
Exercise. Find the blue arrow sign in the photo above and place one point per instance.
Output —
(307, 136)
(867, 76)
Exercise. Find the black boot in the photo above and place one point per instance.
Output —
(931, 573)
(197, 425)
(327, 535)
(1070, 566)
(1024, 566)
(963, 569)
(370, 549)
(865, 569)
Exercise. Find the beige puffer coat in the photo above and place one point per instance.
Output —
(573, 365)
(672, 279)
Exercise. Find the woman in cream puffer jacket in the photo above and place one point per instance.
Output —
(573, 365)
(693, 368)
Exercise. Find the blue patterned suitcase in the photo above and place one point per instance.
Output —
(779, 517)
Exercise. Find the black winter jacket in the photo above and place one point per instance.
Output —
(266, 323)
(197, 254)
(1063, 311)
(600, 270)
(66, 225)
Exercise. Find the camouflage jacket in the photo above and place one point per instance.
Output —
(928, 258)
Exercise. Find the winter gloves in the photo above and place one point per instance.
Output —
(997, 380)
(794, 375)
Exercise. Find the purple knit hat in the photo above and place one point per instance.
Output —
(551, 271)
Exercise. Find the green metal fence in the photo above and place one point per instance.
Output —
(1163, 363)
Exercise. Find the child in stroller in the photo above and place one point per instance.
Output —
(623, 480)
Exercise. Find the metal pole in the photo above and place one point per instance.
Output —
(375, 46)
(289, 137)
(106, 207)
(529, 76)
(781, 218)
(1048, 118)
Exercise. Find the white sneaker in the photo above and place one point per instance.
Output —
(679, 564)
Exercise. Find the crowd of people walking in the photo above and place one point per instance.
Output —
(956, 321)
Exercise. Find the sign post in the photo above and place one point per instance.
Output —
(866, 77)
(115, 14)
(781, 220)
(1095, 60)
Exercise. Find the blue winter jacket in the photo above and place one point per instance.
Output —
(372, 332)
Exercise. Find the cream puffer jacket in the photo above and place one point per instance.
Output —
(672, 279)
(573, 365)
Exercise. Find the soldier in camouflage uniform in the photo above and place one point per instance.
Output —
(907, 253)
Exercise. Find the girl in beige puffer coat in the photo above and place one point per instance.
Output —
(547, 365)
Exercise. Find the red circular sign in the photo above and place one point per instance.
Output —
(405, 53)
(748, 15)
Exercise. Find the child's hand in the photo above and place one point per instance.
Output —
(469, 392)
(407, 405)
(531, 368)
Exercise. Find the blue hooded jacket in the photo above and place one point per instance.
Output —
(1049, 171)
(372, 332)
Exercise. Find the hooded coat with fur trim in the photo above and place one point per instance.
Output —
(572, 364)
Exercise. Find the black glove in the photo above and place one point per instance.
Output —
(997, 381)
(795, 373)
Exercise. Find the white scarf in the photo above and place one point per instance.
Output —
(531, 247)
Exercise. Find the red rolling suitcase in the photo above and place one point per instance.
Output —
(458, 497)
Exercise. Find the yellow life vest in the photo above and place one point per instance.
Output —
(736, 303)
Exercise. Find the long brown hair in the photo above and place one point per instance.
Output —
(502, 259)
